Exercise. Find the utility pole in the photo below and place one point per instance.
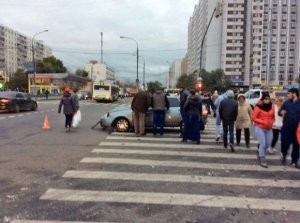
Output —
(219, 11)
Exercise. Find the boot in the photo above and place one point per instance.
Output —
(263, 162)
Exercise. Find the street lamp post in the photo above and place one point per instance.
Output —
(33, 60)
(137, 60)
(143, 72)
(218, 10)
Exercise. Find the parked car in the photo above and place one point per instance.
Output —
(84, 95)
(15, 101)
(121, 118)
(253, 95)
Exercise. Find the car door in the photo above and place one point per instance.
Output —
(21, 101)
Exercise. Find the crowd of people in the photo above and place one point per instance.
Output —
(266, 121)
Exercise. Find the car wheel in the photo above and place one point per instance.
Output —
(17, 109)
(34, 107)
(122, 125)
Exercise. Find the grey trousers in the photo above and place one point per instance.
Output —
(139, 122)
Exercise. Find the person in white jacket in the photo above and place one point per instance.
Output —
(277, 124)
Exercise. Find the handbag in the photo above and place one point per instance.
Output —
(298, 133)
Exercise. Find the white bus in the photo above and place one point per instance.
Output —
(172, 91)
(107, 92)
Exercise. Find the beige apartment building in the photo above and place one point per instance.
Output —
(256, 42)
(99, 71)
(16, 50)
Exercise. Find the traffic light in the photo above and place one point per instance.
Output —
(199, 84)
(1, 86)
(219, 9)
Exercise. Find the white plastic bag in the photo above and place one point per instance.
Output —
(76, 119)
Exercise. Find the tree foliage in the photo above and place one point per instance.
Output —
(153, 86)
(50, 65)
(215, 80)
(19, 81)
(82, 73)
(187, 81)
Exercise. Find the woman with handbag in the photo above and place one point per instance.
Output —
(69, 109)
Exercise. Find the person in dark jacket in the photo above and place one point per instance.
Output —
(139, 106)
(290, 110)
(228, 112)
(160, 104)
(69, 108)
(193, 111)
(183, 95)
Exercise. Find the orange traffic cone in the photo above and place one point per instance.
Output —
(46, 124)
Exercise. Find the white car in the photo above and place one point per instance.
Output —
(253, 95)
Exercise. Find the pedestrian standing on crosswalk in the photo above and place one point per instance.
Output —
(228, 111)
(160, 104)
(263, 117)
(183, 95)
(277, 124)
(243, 120)
(193, 109)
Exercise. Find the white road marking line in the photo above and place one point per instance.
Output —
(169, 145)
(159, 139)
(42, 221)
(186, 164)
(2, 118)
(182, 153)
(11, 116)
(171, 199)
(181, 178)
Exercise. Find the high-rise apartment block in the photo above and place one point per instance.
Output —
(256, 42)
(16, 50)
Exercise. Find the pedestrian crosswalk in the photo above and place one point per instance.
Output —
(163, 171)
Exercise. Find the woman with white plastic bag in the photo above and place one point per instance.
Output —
(77, 115)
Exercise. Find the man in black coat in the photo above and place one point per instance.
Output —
(228, 111)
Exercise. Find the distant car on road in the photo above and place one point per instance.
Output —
(15, 101)
(84, 95)
(121, 118)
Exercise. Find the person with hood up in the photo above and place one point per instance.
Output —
(193, 110)
(243, 120)
(69, 109)
(183, 95)
(263, 117)
(228, 110)
(159, 103)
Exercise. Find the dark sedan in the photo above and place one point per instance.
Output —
(15, 101)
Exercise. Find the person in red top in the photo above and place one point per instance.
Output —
(263, 117)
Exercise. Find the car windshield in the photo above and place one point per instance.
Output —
(174, 102)
(7, 94)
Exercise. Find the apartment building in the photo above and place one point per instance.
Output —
(99, 71)
(256, 42)
(16, 50)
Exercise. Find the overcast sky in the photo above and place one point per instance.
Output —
(159, 26)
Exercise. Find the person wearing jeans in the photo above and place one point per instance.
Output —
(228, 111)
(159, 103)
(263, 117)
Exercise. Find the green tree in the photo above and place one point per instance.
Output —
(187, 81)
(50, 65)
(153, 86)
(19, 81)
(81, 72)
(215, 80)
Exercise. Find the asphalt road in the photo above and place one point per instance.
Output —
(92, 176)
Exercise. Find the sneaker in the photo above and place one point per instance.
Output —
(247, 145)
(263, 162)
(183, 140)
(231, 147)
(294, 164)
(218, 138)
(283, 160)
(270, 150)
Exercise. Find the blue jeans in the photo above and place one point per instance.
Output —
(264, 137)
(227, 125)
(158, 121)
